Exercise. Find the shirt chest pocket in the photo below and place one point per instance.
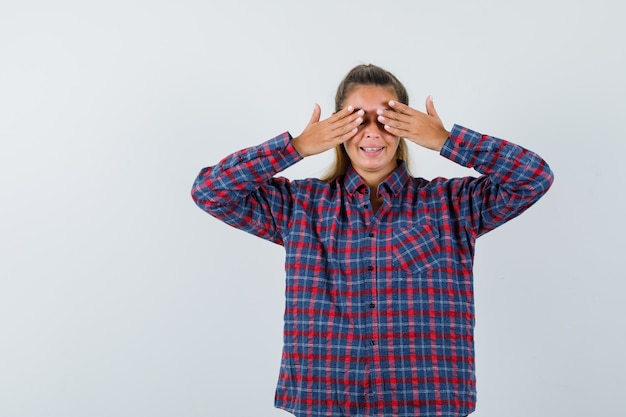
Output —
(416, 250)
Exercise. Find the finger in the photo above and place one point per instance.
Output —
(317, 112)
(347, 135)
(397, 131)
(399, 111)
(400, 107)
(348, 122)
(341, 114)
(395, 119)
(430, 107)
(347, 126)
(337, 119)
(397, 125)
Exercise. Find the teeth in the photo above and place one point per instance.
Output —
(372, 149)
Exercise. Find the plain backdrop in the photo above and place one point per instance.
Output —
(118, 297)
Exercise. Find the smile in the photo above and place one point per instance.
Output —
(373, 149)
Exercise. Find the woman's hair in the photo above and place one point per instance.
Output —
(358, 76)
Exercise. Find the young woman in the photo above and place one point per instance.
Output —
(379, 314)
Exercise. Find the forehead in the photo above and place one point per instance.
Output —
(369, 97)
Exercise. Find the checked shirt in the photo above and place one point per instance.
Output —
(379, 313)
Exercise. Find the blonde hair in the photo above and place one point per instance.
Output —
(365, 75)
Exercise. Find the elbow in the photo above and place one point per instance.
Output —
(547, 178)
(201, 190)
(195, 196)
(196, 192)
(540, 183)
(200, 193)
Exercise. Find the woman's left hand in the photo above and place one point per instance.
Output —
(424, 129)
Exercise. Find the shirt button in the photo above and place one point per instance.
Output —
(367, 206)
(370, 268)
(372, 305)
(371, 234)
(372, 342)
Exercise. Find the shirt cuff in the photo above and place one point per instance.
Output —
(461, 145)
(281, 151)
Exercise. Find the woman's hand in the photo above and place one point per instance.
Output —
(319, 136)
(425, 129)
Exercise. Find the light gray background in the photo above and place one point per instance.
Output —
(118, 297)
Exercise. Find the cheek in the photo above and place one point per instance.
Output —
(393, 142)
(349, 144)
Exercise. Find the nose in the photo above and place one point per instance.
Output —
(371, 127)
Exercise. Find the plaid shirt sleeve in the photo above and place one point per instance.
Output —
(241, 190)
(513, 178)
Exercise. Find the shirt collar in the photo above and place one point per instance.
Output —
(393, 183)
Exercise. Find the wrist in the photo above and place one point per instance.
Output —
(298, 147)
(442, 138)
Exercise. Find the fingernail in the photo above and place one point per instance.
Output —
(379, 111)
(381, 119)
(361, 112)
(359, 120)
(350, 108)
(431, 98)
(392, 103)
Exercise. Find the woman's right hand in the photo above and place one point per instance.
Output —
(319, 136)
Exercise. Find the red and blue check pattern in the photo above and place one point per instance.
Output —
(379, 314)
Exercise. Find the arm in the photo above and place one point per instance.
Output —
(241, 190)
(513, 178)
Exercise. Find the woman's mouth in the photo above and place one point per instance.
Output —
(372, 150)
